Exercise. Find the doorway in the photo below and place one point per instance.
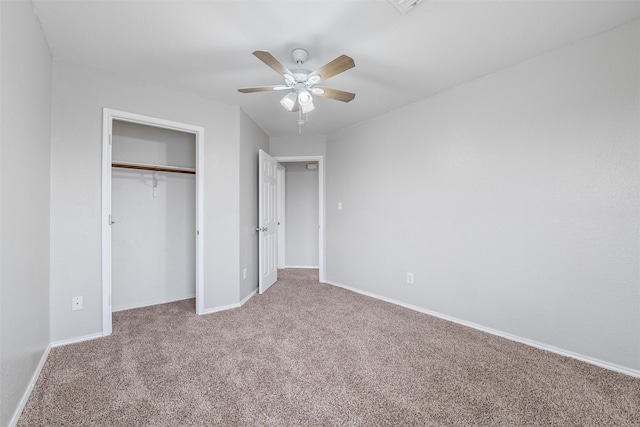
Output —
(300, 163)
(113, 119)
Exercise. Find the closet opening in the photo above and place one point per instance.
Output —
(152, 213)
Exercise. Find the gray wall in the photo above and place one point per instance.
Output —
(252, 139)
(301, 215)
(79, 95)
(513, 199)
(298, 146)
(25, 123)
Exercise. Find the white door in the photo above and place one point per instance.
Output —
(267, 221)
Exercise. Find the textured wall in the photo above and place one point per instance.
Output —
(79, 95)
(252, 139)
(513, 199)
(25, 123)
(298, 146)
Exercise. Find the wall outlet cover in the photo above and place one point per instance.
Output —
(76, 303)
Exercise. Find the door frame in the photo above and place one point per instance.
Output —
(281, 192)
(108, 116)
(321, 210)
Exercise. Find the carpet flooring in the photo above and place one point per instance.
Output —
(306, 353)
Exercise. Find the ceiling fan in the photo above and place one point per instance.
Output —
(301, 83)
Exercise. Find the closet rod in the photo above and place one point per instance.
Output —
(153, 168)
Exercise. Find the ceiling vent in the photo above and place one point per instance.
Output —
(404, 6)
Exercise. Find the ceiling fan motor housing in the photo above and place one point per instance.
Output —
(300, 75)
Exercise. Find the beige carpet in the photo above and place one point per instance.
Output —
(306, 353)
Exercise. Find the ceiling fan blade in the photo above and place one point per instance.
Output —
(337, 66)
(263, 89)
(272, 62)
(336, 94)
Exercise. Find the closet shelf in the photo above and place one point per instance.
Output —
(154, 168)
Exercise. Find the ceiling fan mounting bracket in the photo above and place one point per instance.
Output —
(299, 55)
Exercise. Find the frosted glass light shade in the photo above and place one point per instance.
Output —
(307, 108)
(289, 101)
(304, 97)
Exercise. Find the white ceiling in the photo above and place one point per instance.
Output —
(204, 47)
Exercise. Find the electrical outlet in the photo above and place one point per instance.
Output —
(244, 273)
(410, 278)
(76, 303)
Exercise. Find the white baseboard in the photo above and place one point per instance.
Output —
(76, 339)
(230, 306)
(151, 302)
(32, 383)
(552, 349)
(100, 335)
(302, 266)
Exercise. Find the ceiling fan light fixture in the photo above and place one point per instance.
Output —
(304, 97)
(289, 101)
(307, 108)
(300, 82)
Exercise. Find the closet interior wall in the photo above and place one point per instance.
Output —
(154, 214)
